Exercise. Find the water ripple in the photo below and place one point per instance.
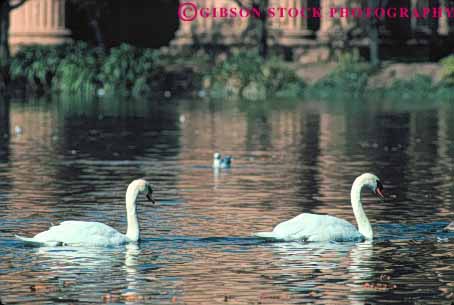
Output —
(197, 248)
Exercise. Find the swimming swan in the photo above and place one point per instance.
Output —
(450, 227)
(83, 233)
(313, 227)
(219, 162)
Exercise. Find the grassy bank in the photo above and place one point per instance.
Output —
(126, 70)
(352, 77)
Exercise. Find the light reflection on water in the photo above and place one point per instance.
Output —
(74, 161)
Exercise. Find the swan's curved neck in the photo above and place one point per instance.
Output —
(364, 226)
(133, 232)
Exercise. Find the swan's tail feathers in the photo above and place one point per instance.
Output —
(267, 235)
(32, 242)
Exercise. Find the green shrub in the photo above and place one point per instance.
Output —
(78, 72)
(419, 87)
(448, 70)
(36, 65)
(280, 80)
(39, 66)
(128, 69)
(349, 78)
(247, 75)
(78, 68)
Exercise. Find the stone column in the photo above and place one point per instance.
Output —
(422, 25)
(326, 22)
(413, 21)
(196, 30)
(39, 22)
(294, 30)
(183, 36)
(210, 30)
(443, 22)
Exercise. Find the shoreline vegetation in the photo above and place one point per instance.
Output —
(78, 69)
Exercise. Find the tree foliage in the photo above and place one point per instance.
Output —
(257, 26)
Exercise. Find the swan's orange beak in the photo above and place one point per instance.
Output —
(379, 193)
(379, 190)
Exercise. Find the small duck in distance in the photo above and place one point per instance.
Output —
(220, 162)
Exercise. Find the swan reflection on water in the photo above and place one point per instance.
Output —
(310, 267)
(63, 257)
(101, 264)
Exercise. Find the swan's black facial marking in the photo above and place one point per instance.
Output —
(150, 194)
(379, 190)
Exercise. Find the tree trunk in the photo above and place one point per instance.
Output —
(93, 12)
(4, 122)
(263, 30)
(373, 34)
(263, 48)
(259, 24)
(4, 32)
(374, 44)
(98, 34)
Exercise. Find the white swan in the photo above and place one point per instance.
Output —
(83, 233)
(450, 227)
(313, 227)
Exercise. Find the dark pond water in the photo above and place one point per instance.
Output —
(72, 160)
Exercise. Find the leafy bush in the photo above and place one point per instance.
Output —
(349, 78)
(128, 69)
(60, 67)
(79, 71)
(77, 68)
(419, 87)
(448, 70)
(247, 75)
(37, 65)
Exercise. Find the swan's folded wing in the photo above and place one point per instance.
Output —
(313, 227)
(300, 227)
(292, 229)
(81, 233)
(32, 242)
(267, 235)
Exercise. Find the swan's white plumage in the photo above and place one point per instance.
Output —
(450, 227)
(307, 227)
(97, 234)
(75, 233)
(316, 228)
